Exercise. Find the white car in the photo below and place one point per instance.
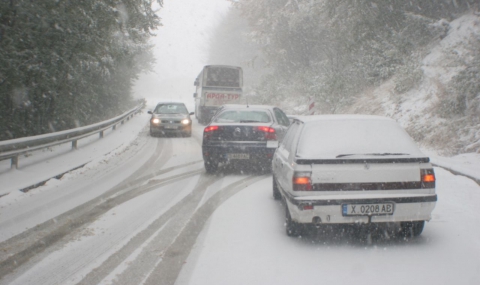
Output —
(352, 169)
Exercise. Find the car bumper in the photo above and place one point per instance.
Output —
(170, 128)
(257, 152)
(410, 208)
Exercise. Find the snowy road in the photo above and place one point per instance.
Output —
(148, 214)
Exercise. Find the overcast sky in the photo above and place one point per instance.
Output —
(180, 49)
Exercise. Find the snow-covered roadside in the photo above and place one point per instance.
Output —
(466, 164)
(244, 242)
(45, 164)
(112, 159)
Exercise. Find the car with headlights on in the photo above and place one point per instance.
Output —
(243, 135)
(353, 170)
(170, 117)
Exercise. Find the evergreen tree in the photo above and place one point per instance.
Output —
(69, 63)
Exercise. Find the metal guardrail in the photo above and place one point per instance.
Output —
(12, 149)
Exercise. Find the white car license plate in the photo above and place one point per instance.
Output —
(367, 209)
(238, 156)
(171, 127)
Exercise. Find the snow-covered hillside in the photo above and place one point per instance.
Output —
(427, 111)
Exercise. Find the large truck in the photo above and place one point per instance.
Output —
(215, 86)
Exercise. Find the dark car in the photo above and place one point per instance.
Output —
(243, 135)
(170, 117)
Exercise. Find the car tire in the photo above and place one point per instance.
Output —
(188, 133)
(152, 134)
(276, 191)
(292, 228)
(412, 229)
(211, 166)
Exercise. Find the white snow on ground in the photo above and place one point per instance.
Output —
(245, 243)
(105, 236)
(43, 164)
(113, 158)
(438, 64)
(466, 163)
(418, 109)
(112, 277)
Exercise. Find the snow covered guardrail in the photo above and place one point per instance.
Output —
(12, 149)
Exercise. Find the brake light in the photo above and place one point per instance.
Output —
(270, 133)
(208, 132)
(210, 129)
(302, 182)
(427, 175)
(428, 178)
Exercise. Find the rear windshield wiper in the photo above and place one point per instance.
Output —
(375, 154)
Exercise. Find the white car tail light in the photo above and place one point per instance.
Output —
(301, 181)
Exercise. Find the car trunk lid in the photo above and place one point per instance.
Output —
(242, 132)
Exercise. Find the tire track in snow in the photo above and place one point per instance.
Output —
(173, 258)
(20, 249)
(177, 215)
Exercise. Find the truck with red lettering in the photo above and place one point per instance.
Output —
(215, 86)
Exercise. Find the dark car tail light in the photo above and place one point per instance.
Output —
(301, 181)
(428, 178)
(208, 131)
(270, 133)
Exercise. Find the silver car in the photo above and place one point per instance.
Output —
(170, 118)
(353, 170)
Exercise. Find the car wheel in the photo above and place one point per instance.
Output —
(412, 229)
(276, 192)
(211, 166)
(188, 133)
(293, 228)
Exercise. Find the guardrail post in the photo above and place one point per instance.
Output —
(74, 144)
(101, 134)
(14, 162)
(122, 122)
(114, 127)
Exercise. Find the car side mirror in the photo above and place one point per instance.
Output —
(150, 112)
(191, 113)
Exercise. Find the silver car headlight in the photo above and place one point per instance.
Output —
(185, 121)
(155, 121)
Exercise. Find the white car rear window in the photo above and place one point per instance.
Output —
(354, 138)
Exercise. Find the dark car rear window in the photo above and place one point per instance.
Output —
(243, 116)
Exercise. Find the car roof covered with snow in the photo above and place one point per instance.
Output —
(170, 102)
(354, 137)
(245, 106)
